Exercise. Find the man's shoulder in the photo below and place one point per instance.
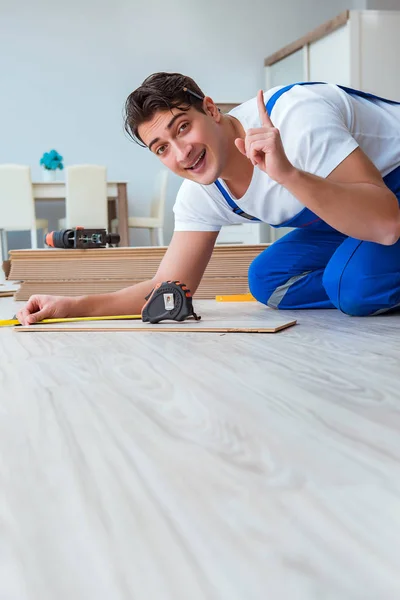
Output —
(288, 93)
(279, 98)
(196, 197)
(303, 96)
(191, 189)
(246, 113)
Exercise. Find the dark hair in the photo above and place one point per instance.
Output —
(160, 91)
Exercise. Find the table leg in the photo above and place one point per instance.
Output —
(3, 254)
(112, 211)
(122, 201)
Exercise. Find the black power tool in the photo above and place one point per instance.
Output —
(169, 300)
(79, 237)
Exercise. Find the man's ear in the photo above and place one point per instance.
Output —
(211, 109)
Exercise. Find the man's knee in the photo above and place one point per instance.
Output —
(259, 277)
(350, 294)
(272, 285)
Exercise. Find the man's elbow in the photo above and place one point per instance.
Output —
(391, 234)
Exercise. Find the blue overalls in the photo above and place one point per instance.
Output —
(315, 266)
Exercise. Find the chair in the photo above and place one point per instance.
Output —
(155, 223)
(86, 202)
(17, 208)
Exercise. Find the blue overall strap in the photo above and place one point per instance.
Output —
(236, 209)
(271, 102)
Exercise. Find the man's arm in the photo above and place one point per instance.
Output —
(353, 199)
(185, 260)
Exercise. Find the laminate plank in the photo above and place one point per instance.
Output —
(216, 319)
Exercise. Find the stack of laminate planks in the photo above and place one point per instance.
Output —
(100, 270)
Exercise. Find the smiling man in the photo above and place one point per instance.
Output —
(320, 158)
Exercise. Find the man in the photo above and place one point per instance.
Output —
(317, 157)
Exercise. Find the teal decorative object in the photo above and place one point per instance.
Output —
(52, 161)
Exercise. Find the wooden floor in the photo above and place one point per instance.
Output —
(202, 466)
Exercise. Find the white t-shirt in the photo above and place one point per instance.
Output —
(320, 125)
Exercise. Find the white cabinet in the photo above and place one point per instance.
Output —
(288, 70)
(328, 57)
(359, 49)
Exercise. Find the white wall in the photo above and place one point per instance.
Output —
(67, 68)
(381, 4)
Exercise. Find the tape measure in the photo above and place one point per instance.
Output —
(169, 300)
(15, 322)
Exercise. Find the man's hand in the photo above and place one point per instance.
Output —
(45, 307)
(263, 146)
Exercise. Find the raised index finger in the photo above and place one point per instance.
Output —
(262, 111)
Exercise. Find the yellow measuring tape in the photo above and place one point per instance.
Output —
(11, 322)
(236, 298)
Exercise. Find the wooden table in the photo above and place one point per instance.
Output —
(117, 202)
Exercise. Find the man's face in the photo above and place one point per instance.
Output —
(189, 143)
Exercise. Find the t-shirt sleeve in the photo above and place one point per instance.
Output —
(193, 209)
(315, 130)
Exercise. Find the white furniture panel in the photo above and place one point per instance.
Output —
(329, 58)
(86, 197)
(379, 52)
(288, 70)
